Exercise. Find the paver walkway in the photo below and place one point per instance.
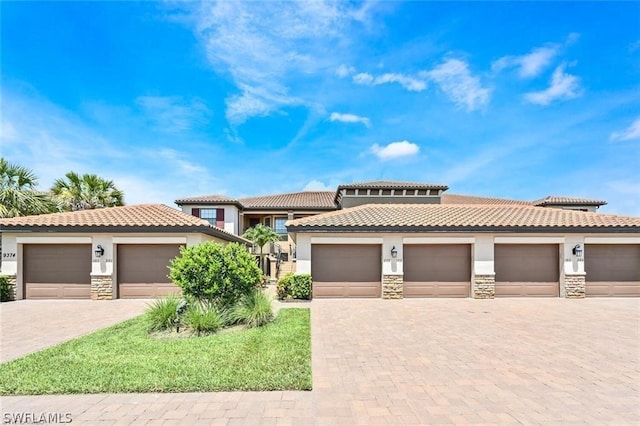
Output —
(31, 325)
(424, 361)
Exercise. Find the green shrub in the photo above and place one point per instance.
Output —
(301, 286)
(162, 313)
(203, 317)
(216, 273)
(6, 293)
(253, 310)
(283, 288)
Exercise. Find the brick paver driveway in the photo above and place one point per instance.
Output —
(30, 325)
(513, 361)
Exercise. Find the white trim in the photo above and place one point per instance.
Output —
(438, 240)
(529, 240)
(53, 240)
(611, 240)
(346, 240)
(150, 240)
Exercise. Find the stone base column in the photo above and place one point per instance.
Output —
(101, 287)
(392, 286)
(13, 287)
(484, 286)
(575, 286)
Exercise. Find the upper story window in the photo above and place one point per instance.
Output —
(209, 215)
(278, 225)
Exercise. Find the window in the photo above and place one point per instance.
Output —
(208, 215)
(267, 222)
(278, 225)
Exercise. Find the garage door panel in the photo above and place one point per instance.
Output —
(613, 288)
(436, 289)
(343, 270)
(57, 291)
(610, 263)
(527, 263)
(529, 289)
(54, 271)
(146, 290)
(143, 270)
(437, 263)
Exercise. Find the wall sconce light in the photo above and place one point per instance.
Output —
(99, 251)
(394, 252)
(577, 250)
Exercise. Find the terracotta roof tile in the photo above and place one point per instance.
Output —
(553, 200)
(472, 199)
(305, 199)
(207, 199)
(393, 185)
(138, 217)
(417, 217)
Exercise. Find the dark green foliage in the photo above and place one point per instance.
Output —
(301, 286)
(162, 314)
(5, 289)
(216, 273)
(203, 318)
(253, 310)
(283, 288)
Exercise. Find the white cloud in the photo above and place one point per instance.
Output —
(563, 86)
(344, 71)
(316, 185)
(263, 51)
(395, 150)
(412, 84)
(456, 81)
(531, 64)
(630, 133)
(349, 118)
(173, 114)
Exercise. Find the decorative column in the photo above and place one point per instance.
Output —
(484, 286)
(484, 277)
(392, 286)
(101, 287)
(574, 286)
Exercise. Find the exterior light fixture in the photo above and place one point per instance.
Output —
(577, 250)
(394, 252)
(99, 251)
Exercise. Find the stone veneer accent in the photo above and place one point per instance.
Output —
(484, 286)
(574, 286)
(392, 286)
(13, 284)
(101, 287)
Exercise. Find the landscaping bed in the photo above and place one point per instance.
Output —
(124, 358)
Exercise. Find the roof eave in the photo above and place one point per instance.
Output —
(476, 229)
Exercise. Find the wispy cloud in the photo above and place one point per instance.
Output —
(262, 50)
(173, 114)
(349, 118)
(464, 89)
(630, 133)
(563, 86)
(395, 150)
(316, 185)
(412, 84)
(345, 70)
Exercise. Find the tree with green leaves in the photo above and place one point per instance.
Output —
(86, 192)
(18, 193)
(261, 235)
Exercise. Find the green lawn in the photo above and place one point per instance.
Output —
(122, 358)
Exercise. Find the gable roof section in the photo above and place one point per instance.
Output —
(462, 217)
(313, 200)
(135, 218)
(209, 199)
(553, 200)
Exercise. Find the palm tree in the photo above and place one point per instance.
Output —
(85, 192)
(18, 194)
(261, 235)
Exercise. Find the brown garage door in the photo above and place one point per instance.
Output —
(527, 270)
(57, 271)
(341, 270)
(437, 270)
(612, 270)
(142, 270)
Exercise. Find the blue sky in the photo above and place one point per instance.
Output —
(172, 99)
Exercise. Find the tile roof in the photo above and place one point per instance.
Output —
(392, 184)
(460, 217)
(139, 218)
(322, 200)
(553, 200)
(208, 199)
(447, 198)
